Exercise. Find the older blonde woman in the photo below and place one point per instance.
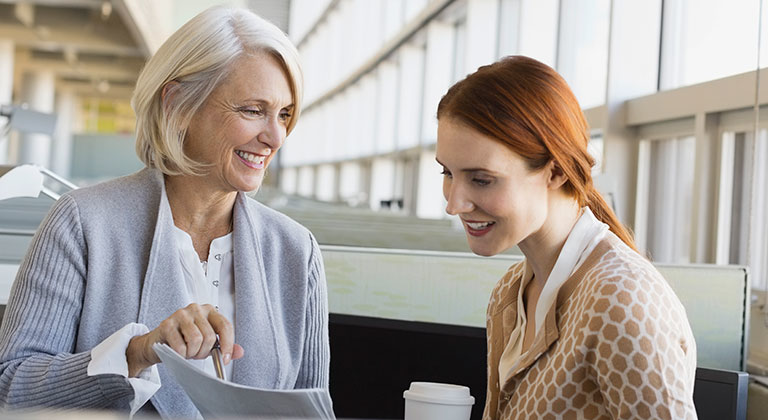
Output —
(177, 253)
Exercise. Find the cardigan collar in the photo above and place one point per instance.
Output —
(550, 332)
(586, 232)
(163, 293)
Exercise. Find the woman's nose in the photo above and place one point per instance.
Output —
(458, 202)
(273, 134)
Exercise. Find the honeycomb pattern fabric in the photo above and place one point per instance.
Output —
(616, 345)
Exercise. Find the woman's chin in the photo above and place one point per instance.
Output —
(483, 251)
(250, 188)
(247, 183)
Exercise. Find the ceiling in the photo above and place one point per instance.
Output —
(87, 44)
(97, 48)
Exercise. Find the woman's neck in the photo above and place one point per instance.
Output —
(542, 248)
(197, 207)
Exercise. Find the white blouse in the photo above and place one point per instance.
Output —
(207, 282)
(586, 233)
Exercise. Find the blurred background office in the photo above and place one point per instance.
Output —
(674, 92)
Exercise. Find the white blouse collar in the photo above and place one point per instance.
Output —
(585, 235)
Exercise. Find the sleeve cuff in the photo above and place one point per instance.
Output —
(108, 358)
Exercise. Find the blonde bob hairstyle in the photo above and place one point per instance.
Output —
(198, 57)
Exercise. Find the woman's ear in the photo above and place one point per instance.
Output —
(556, 175)
(168, 91)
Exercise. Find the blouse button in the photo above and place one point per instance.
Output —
(218, 257)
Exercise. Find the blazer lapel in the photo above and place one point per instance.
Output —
(163, 293)
(255, 323)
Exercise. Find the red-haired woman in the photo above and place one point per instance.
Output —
(585, 327)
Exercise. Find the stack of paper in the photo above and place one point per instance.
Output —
(215, 398)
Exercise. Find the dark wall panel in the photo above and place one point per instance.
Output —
(374, 360)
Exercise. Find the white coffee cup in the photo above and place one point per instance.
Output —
(434, 401)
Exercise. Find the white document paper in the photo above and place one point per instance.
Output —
(21, 181)
(217, 399)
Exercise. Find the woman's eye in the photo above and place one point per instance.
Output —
(285, 116)
(251, 111)
(481, 182)
(446, 173)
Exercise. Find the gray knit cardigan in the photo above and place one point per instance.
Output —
(105, 257)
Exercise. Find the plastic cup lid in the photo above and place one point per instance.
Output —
(432, 392)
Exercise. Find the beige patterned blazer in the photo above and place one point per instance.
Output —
(616, 345)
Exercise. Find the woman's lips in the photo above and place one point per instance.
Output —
(477, 228)
(248, 159)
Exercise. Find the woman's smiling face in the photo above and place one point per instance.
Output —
(243, 123)
(500, 201)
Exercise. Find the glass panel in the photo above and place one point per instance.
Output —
(596, 149)
(583, 50)
(325, 182)
(459, 48)
(382, 182)
(509, 28)
(760, 214)
(410, 97)
(387, 106)
(670, 194)
(707, 39)
(744, 197)
(350, 187)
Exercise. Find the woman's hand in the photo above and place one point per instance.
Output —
(191, 332)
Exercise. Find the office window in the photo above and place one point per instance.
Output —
(365, 125)
(288, 180)
(459, 51)
(603, 182)
(303, 14)
(351, 188)
(392, 16)
(742, 231)
(312, 137)
(398, 184)
(412, 8)
(481, 33)
(307, 143)
(538, 29)
(371, 27)
(382, 179)
(387, 97)
(309, 56)
(509, 27)
(583, 48)
(315, 55)
(334, 67)
(345, 144)
(596, 149)
(707, 39)
(321, 142)
(326, 182)
(665, 194)
(438, 71)
(306, 185)
(411, 95)
(356, 51)
(759, 260)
